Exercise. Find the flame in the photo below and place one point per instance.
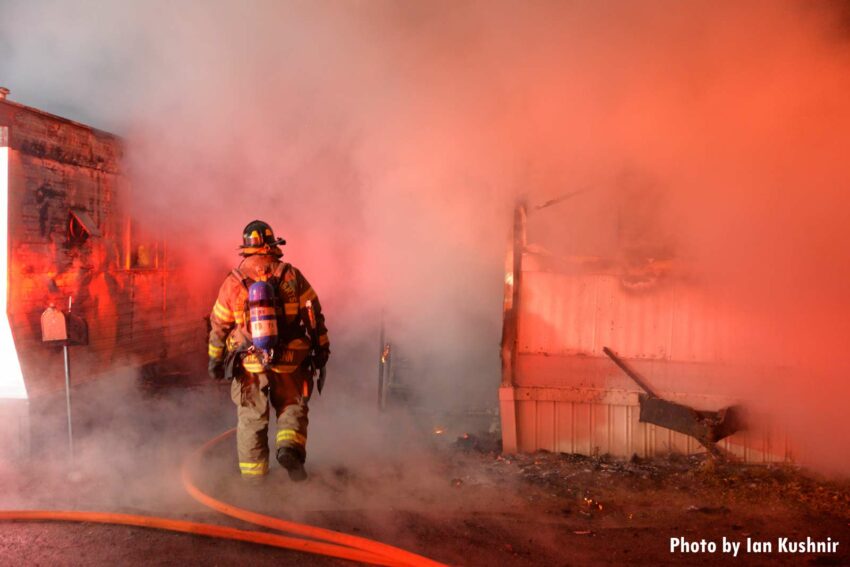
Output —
(439, 430)
(11, 377)
(385, 355)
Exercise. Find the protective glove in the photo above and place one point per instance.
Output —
(320, 383)
(216, 369)
(320, 358)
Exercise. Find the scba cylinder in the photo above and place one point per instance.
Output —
(263, 316)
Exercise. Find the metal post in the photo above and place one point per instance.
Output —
(67, 353)
(381, 368)
(510, 332)
(68, 400)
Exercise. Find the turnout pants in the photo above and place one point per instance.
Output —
(252, 393)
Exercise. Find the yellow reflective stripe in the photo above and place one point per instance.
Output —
(291, 435)
(254, 468)
(254, 473)
(215, 351)
(223, 312)
(239, 318)
(290, 308)
(252, 364)
(323, 340)
(308, 295)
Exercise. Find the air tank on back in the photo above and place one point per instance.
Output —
(263, 317)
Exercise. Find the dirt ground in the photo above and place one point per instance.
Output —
(455, 499)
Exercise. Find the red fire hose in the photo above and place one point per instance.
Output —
(321, 542)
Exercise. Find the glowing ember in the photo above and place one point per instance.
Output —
(385, 355)
(11, 378)
(591, 503)
(439, 431)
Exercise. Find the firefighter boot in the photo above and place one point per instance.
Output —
(292, 460)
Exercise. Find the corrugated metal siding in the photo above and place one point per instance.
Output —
(567, 396)
(580, 313)
(591, 428)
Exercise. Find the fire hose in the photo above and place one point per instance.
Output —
(321, 541)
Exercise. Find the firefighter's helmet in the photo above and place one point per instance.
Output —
(257, 235)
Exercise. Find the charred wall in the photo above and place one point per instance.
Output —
(72, 234)
(561, 393)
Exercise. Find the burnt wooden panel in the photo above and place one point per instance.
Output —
(57, 165)
(43, 135)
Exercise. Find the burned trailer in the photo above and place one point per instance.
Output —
(566, 307)
(68, 232)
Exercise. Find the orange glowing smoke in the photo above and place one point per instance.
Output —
(411, 129)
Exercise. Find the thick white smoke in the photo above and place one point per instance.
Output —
(389, 141)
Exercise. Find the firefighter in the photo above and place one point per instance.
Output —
(282, 376)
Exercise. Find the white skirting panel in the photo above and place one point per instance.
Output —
(597, 422)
